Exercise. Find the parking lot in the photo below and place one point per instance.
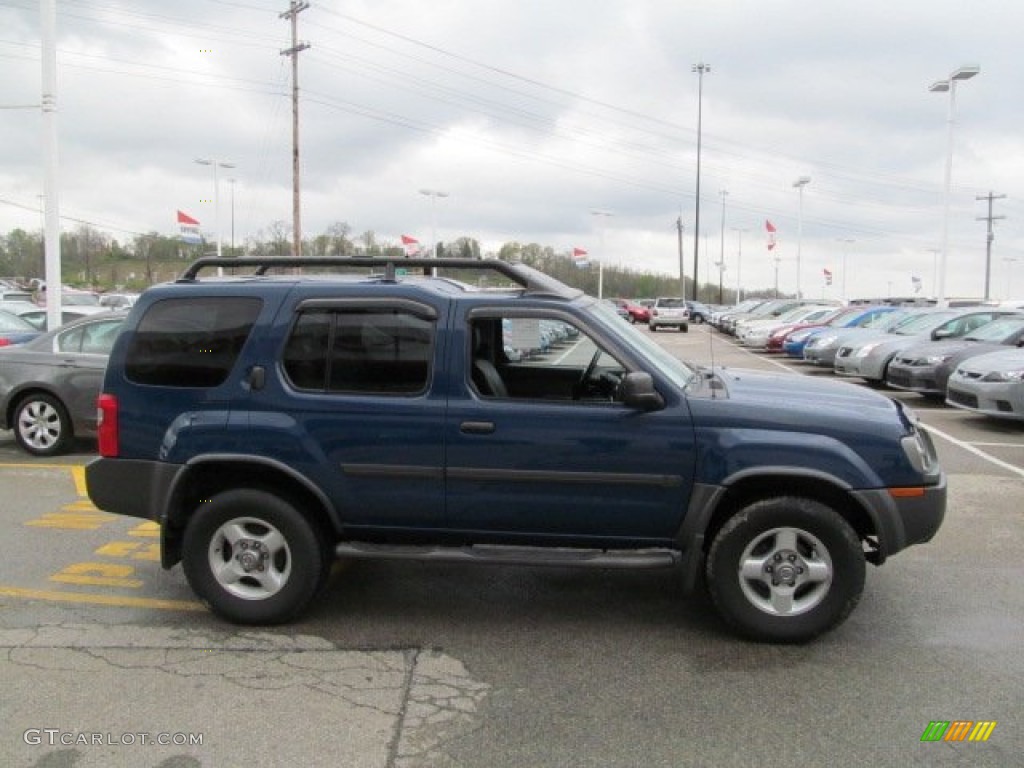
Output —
(416, 664)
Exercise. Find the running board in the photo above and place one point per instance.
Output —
(510, 555)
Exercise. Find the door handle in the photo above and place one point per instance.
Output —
(476, 427)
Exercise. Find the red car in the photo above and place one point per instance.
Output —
(637, 312)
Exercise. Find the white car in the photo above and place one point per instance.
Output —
(672, 312)
(991, 384)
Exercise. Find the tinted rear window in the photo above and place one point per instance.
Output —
(191, 342)
(369, 351)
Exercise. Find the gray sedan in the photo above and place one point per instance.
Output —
(991, 384)
(48, 386)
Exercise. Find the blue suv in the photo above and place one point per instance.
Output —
(302, 410)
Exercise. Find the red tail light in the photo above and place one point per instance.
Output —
(106, 414)
(4, 342)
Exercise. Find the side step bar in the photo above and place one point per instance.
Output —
(511, 555)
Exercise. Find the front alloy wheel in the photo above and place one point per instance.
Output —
(785, 569)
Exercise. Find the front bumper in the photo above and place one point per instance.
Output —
(904, 516)
(916, 378)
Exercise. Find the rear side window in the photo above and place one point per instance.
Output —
(369, 351)
(191, 342)
(91, 338)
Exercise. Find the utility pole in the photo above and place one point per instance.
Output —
(682, 278)
(988, 242)
(294, 9)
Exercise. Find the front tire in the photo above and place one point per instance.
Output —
(42, 426)
(785, 570)
(253, 558)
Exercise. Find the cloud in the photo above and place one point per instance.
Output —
(530, 115)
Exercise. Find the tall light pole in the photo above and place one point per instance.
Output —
(216, 194)
(603, 216)
(232, 183)
(700, 69)
(433, 194)
(739, 262)
(846, 241)
(721, 242)
(943, 86)
(800, 183)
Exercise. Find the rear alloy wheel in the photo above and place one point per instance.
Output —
(253, 557)
(785, 570)
(42, 426)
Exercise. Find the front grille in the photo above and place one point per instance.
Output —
(899, 379)
(962, 398)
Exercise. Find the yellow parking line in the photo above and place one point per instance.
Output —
(113, 600)
(78, 473)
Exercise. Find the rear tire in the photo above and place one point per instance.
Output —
(42, 426)
(253, 557)
(785, 570)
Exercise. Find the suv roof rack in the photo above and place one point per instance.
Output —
(531, 280)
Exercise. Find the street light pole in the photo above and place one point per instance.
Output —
(232, 183)
(739, 262)
(433, 194)
(216, 195)
(800, 183)
(943, 86)
(700, 69)
(604, 216)
(721, 242)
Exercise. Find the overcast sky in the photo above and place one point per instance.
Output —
(533, 114)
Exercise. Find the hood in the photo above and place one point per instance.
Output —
(944, 347)
(1008, 360)
(802, 392)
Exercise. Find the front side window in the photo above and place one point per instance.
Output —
(532, 357)
(192, 342)
(360, 350)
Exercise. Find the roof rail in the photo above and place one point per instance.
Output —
(531, 280)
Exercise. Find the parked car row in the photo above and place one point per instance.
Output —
(971, 357)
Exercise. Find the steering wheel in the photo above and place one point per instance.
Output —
(581, 385)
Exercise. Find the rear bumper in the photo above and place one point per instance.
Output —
(133, 488)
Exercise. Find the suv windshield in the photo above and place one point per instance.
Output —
(672, 368)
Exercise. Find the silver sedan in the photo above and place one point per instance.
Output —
(991, 384)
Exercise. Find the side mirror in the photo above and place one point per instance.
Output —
(638, 392)
(941, 334)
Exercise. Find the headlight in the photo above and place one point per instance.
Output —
(932, 360)
(1004, 376)
(867, 349)
(823, 341)
(918, 446)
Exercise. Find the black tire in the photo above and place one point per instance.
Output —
(652, 328)
(253, 558)
(785, 570)
(42, 426)
(698, 319)
(684, 328)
